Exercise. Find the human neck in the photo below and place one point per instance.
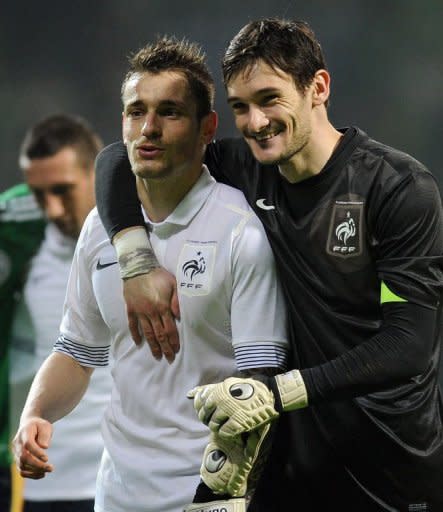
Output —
(310, 160)
(160, 197)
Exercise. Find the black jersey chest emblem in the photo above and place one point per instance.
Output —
(345, 229)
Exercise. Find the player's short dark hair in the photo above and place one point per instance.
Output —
(171, 54)
(58, 131)
(282, 44)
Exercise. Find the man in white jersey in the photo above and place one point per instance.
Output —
(57, 159)
(232, 313)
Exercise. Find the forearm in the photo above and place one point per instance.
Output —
(56, 389)
(116, 194)
(257, 372)
(401, 350)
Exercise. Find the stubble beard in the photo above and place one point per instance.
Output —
(296, 146)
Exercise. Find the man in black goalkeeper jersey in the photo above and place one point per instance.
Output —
(356, 229)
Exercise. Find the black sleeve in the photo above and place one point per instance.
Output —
(117, 200)
(402, 349)
(230, 161)
(408, 227)
(116, 194)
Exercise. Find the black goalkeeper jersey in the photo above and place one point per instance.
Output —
(359, 251)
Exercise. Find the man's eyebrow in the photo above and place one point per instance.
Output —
(136, 103)
(162, 103)
(172, 103)
(260, 92)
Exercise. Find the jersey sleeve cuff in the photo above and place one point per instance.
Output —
(95, 357)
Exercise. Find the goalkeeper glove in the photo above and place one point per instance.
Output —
(228, 463)
(239, 405)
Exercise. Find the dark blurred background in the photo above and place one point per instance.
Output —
(385, 57)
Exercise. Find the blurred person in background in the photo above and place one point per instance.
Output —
(57, 159)
(21, 232)
(356, 229)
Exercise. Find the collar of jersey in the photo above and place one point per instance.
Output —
(188, 207)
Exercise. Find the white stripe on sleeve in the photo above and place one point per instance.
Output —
(95, 357)
(260, 355)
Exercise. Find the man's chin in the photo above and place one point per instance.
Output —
(69, 231)
(265, 156)
(143, 171)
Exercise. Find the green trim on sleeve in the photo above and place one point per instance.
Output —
(387, 295)
(16, 191)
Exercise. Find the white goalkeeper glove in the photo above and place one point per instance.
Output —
(227, 463)
(239, 405)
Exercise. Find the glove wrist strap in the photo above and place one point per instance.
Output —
(291, 390)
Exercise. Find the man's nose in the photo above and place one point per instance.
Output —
(53, 206)
(257, 120)
(150, 127)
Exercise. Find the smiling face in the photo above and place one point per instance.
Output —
(160, 127)
(273, 115)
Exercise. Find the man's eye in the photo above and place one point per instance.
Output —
(135, 113)
(239, 107)
(269, 99)
(60, 190)
(170, 112)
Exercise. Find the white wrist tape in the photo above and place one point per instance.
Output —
(234, 505)
(292, 390)
(134, 253)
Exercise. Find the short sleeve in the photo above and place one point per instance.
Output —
(83, 332)
(258, 313)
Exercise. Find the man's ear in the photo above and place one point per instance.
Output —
(321, 87)
(208, 127)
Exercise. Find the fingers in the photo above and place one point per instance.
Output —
(192, 392)
(152, 307)
(30, 450)
(30, 466)
(133, 327)
(161, 339)
(157, 338)
(170, 331)
(43, 439)
(203, 403)
(151, 340)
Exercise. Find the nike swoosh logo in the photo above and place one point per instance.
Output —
(261, 204)
(101, 266)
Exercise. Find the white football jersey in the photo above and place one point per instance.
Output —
(77, 444)
(232, 317)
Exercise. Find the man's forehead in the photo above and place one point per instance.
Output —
(164, 85)
(258, 69)
(62, 167)
(258, 75)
